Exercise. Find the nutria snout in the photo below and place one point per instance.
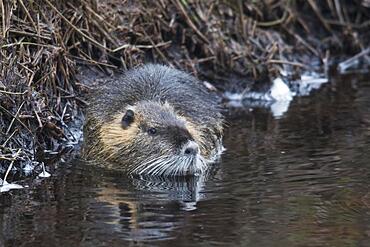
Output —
(154, 120)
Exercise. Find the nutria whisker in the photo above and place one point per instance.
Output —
(157, 170)
(157, 166)
(171, 166)
(142, 168)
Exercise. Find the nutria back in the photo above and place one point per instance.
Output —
(154, 120)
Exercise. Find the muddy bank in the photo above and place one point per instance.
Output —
(44, 42)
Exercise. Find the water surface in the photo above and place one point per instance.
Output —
(300, 180)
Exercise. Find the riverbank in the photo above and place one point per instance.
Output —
(235, 45)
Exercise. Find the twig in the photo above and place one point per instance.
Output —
(288, 62)
(3, 17)
(142, 46)
(7, 112)
(300, 39)
(9, 137)
(28, 43)
(93, 62)
(29, 34)
(10, 167)
(15, 116)
(28, 14)
(156, 48)
(338, 9)
(38, 118)
(190, 22)
(13, 93)
(321, 18)
(76, 28)
(97, 15)
(275, 22)
(349, 62)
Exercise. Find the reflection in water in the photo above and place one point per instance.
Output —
(136, 218)
(301, 180)
(185, 190)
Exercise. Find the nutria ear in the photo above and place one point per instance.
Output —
(128, 118)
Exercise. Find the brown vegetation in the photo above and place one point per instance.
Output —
(44, 41)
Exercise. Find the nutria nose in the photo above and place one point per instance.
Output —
(191, 148)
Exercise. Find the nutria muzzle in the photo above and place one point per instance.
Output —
(191, 148)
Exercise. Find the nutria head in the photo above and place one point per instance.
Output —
(150, 137)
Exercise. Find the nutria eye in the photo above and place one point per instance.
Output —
(152, 131)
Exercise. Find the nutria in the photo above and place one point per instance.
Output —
(154, 120)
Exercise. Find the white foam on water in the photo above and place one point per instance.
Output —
(280, 91)
(29, 167)
(44, 174)
(278, 108)
(233, 96)
(9, 186)
(188, 206)
(309, 82)
(279, 96)
(282, 95)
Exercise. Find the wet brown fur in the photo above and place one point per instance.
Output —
(119, 147)
(112, 135)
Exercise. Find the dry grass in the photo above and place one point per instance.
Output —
(44, 41)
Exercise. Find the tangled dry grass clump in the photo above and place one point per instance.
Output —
(43, 43)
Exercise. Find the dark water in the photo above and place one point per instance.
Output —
(302, 180)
